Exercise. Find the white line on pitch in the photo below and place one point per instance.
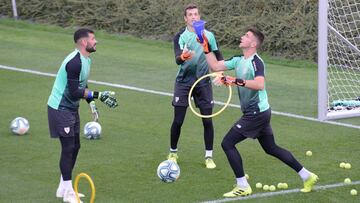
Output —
(170, 94)
(282, 192)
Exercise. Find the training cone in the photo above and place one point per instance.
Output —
(199, 27)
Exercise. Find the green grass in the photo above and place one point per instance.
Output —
(135, 136)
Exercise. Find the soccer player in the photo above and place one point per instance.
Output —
(192, 65)
(255, 121)
(69, 88)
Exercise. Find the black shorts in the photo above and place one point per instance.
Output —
(63, 123)
(254, 124)
(202, 95)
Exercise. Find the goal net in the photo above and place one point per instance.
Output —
(339, 59)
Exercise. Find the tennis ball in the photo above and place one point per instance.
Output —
(280, 185)
(265, 187)
(309, 153)
(247, 176)
(342, 165)
(353, 192)
(347, 165)
(347, 180)
(258, 185)
(272, 188)
(285, 186)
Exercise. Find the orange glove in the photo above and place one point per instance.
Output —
(205, 44)
(186, 55)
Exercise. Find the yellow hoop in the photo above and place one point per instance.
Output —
(214, 114)
(76, 185)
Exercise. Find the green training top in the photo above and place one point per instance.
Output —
(247, 69)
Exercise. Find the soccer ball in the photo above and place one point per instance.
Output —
(92, 130)
(168, 171)
(19, 126)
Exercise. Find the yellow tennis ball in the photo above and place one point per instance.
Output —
(272, 188)
(347, 180)
(353, 192)
(285, 186)
(309, 153)
(258, 185)
(247, 176)
(265, 187)
(280, 185)
(342, 165)
(347, 165)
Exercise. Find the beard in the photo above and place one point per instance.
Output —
(90, 49)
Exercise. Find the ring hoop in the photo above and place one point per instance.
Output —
(214, 114)
(76, 184)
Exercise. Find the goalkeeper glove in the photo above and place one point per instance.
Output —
(107, 97)
(94, 111)
(186, 55)
(204, 44)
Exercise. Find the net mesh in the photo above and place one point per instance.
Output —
(343, 53)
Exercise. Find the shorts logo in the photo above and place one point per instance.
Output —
(238, 125)
(176, 99)
(67, 130)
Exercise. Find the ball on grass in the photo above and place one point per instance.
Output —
(258, 185)
(347, 180)
(285, 186)
(353, 192)
(342, 165)
(265, 187)
(280, 185)
(347, 165)
(309, 153)
(272, 188)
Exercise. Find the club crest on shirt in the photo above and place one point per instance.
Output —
(176, 99)
(67, 130)
(238, 126)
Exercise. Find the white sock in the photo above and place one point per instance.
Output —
(242, 182)
(61, 183)
(208, 153)
(173, 150)
(68, 185)
(304, 174)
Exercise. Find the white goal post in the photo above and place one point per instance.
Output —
(338, 59)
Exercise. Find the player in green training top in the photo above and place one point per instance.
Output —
(255, 121)
(69, 88)
(192, 65)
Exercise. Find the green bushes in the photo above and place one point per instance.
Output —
(290, 26)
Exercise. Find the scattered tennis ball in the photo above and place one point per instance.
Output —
(309, 153)
(342, 165)
(265, 187)
(258, 185)
(347, 165)
(272, 188)
(247, 176)
(285, 186)
(347, 180)
(280, 185)
(353, 192)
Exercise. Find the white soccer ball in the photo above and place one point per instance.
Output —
(168, 171)
(19, 126)
(92, 130)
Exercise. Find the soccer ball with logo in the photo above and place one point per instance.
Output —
(19, 126)
(92, 130)
(168, 171)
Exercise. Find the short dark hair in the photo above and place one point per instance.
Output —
(82, 32)
(190, 6)
(258, 34)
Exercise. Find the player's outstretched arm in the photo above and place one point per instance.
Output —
(211, 59)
